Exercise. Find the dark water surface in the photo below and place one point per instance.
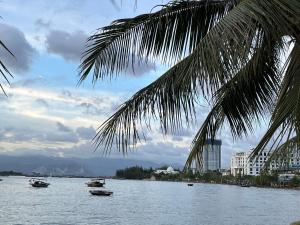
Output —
(67, 201)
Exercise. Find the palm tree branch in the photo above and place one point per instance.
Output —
(246, 97)
(3, 69)
(188, 74)
(167, 34)
(162, 99)
(229, 45)
(285, 118)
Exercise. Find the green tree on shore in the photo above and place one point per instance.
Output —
(229, 52)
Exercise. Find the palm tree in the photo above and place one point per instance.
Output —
(227, 51)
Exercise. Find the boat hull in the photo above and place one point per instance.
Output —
(101, 192)
(40, 185)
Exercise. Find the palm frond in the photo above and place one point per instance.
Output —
(167, 34)
(229, 45)
(161, 100)
(218, 58)
(3, 69)
(245, 98)
(213, 63)
(233, 59)
(285, 119)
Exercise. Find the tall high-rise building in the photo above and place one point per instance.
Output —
(212, 155)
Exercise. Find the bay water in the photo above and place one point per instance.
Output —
(67, 201)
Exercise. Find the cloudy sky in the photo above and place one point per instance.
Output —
(46, 113)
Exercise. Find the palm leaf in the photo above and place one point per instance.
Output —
(245, 98)
(229, 45)
(3, 69)
(285, 118)
(222, 63)
(168, 34)
(160, 100)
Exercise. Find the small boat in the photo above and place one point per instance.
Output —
(38, 183)
(244, 184)
(97, 182)
(101, 192)
(190, 184)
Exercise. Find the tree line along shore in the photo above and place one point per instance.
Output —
(140, 173)
(262, 180)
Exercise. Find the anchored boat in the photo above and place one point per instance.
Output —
(245, 184)
(97, 182)
(101, 192)
(38, 183)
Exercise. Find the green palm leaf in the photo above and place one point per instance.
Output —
(285, 118)
(3, 69)
(232, 57)
(167, 34)
(244, 99)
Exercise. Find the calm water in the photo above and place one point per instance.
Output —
(67, 202)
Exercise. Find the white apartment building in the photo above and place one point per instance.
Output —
(255, 164)
(242, 165)
(238, 164)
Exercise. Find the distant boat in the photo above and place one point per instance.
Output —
(97, 182)
(0, 179)
(190, 184)
(245, 184)
(101, 192)
(38, 183)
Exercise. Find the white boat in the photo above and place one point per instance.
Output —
(96, 182)
(245, 184)
(38, 183)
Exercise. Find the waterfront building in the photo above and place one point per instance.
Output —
(255, 164)
(169, 170)
(243, 163)
(211, 155)
(238, 164)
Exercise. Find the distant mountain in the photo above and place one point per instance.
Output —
(69, 166)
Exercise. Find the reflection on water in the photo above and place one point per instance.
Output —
(67, 201)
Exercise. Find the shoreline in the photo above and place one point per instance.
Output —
(179, 181)
(195, 182)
